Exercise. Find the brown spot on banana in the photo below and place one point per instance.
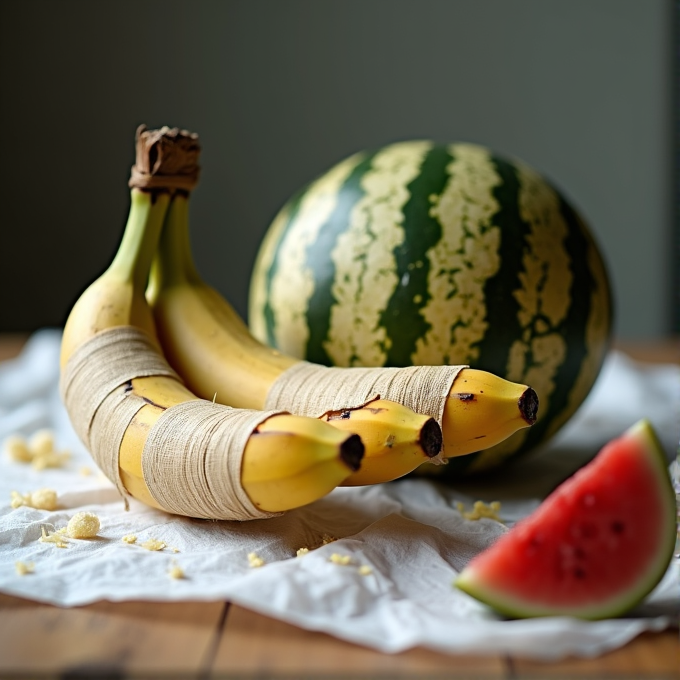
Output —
(464, 396)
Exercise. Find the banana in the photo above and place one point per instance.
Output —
(483, 410)
(387, 429)
(199, 330)
(210, 346)
(288, 460)
(275, 477)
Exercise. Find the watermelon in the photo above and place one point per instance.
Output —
(595, 547)
(424, 253)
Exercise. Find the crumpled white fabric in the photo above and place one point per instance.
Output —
(408, 536)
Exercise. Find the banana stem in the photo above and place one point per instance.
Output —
(138, 245)
(174, 263)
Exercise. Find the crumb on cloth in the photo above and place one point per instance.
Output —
(480, 510)
(39, 450)
(254, 560)
(54, 537)
(176, 571)
(337, 558)
(42, 499)
(24, 568)
(83, 525)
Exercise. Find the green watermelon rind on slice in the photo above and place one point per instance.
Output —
(478, 577)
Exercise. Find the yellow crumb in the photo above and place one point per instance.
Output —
(254, 560)
(365, 570)
(18, 500)
(38, 450)
(44, 499)
(53, 537)
(337, 558)
(23, 568)
(154, 544)
(129, 538)
(85, 471)
(51, 459)
(327, 538)
(176, 571)
(481, 509)
(17, 449)
(302, 551)
(83, 525)
(41, 442)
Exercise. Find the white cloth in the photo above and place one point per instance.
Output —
(409, 533)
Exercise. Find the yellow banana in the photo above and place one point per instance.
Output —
(387, 430)
(210, 346)
(276, 478)
(288, 460)
(484, 409)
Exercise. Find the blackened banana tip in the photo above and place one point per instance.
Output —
(528, 405)
(431, 438)
(352, 452)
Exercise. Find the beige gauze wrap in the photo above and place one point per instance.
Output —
(311, 390)
(192, 457)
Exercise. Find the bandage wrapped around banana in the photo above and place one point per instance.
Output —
(209, 345)
(153, 437)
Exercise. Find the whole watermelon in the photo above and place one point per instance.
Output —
(424, 253)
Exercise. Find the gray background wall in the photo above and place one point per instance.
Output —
(279, 90)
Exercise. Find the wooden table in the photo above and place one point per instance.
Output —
(221, 640)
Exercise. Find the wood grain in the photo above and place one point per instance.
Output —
(106, 638)
(262, 646)
(11, 344)
(650, 655)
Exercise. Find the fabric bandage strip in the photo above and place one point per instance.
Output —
(192, 460)
(192, 456)
(311, 390)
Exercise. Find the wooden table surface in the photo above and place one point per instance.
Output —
(221, 640)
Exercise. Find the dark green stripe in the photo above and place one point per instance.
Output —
(501, 306)
(573, 326)
(293, 207)
(318, 260)
(402, 318)
(502, 312)
(502, 309)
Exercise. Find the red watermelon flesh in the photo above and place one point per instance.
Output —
(595, 547)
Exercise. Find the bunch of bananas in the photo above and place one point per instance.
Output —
(173, 345)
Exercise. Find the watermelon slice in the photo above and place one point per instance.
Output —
(595, 547)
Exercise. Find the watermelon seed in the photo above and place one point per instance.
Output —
(617, 527)
(588, 530)
(579, 573)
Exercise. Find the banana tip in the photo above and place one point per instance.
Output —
(528, 405)
(431, 439)
(352, 452)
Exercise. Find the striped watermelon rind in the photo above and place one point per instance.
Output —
(425, 253)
